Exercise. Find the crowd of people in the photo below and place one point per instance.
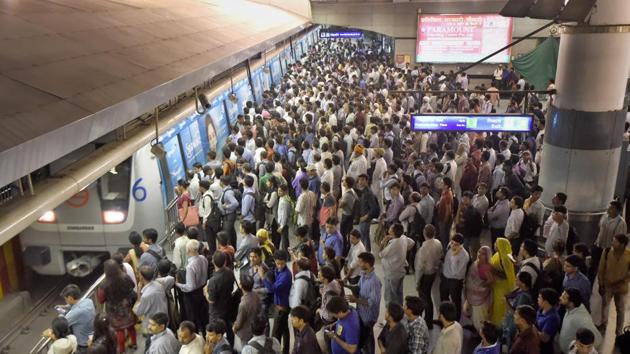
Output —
(325, 180)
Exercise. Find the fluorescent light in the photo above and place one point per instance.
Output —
(48, 217)
(113, 217)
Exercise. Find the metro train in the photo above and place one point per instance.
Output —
(79, 234)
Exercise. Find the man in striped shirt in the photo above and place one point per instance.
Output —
(368, 301)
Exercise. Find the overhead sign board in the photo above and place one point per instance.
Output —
(340, 34)
(472, 122)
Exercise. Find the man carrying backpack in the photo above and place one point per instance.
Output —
(260, 343)
(210, 215)
(279, 284)
(304, 290)
(228, 205)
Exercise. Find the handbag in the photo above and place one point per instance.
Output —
(192, 217)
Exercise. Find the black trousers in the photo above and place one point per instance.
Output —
(424, 291)
(346, 226)
(516, 245)
(284, 238)
(596, 256)
(366, 337)
(451, 290)
(195, 308)
(211, 238)
(280, 329)
(496, 233)
(228, 227)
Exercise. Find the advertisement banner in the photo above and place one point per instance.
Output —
(462, 38)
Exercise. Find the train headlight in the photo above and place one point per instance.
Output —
(49, 217)
(113, 217)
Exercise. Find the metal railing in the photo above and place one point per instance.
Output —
(171, 218)
(43, 342)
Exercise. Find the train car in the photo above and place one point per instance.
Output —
(88, 228)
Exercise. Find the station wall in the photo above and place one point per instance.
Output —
(399, 20)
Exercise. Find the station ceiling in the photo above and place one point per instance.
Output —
(74, 70)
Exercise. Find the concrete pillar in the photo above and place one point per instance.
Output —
(584, 128)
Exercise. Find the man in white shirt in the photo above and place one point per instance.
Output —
(427, 264)
(611, 224)
(205, 208)
(393, 251)
(179, 248)
(452, 334)
(498, 174)
(479, 200)
(514, 222)
(559, 230)
(192, 343)
(299, 290)
(527, 168)
(557, 200)
(358, 163)
(450, 166)
(353, 271)
(531, 263)
(534, 206)
(454, 272)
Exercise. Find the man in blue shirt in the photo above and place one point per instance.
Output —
(573, 278)
(153, 255)
(331, 238)
(314, 182)
(248, 201)
(345, 337)
(279, 284)
(368, 301)
(80, 315)
(547, 320)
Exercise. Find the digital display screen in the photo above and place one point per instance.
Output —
(462, 38)
(341, 34)
(471, 122)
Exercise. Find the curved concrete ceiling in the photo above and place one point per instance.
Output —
(74, 70)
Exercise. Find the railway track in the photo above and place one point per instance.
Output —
(24, 332)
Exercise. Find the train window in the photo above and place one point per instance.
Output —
(114, 187)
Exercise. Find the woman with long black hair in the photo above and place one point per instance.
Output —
(103, 335)
(117, 291)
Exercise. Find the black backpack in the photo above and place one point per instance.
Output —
(215, 219)
(173, 271)
(263, 349)
(416, 226)
(313, 298)
(543, 279)
(235, 301)
(528, 226)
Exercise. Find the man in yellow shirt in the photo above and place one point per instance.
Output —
(613, 278)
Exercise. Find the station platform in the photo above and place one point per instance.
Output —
(28, 336)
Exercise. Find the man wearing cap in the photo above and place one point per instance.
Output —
(358, 162)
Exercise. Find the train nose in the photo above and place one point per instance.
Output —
(82, 266)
